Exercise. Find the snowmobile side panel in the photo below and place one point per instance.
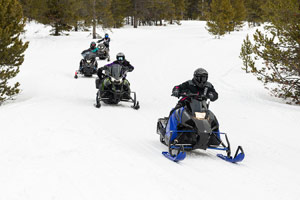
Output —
(172, 125)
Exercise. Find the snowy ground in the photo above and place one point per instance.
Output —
(54, 144)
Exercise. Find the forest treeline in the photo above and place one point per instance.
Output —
(64, 15)
(272, 54)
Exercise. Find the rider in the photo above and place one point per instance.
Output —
(198, 85)
(106, 40)
(93, 49)
(127, 67)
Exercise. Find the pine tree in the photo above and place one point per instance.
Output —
(179, 9)
(11, 46)
(239, 13)
(220, 18)
(246, 54)
(59, 14)
(204, 8)
(120, 10)
(34, 9)
(192, 9)
(279, 49)
(98, 13)
(254, 11)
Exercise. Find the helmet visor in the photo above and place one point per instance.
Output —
(201, 78)
(120, 58)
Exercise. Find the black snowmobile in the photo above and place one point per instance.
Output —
(194, 127)
(113, 87)
(89, 64)
(103, 52)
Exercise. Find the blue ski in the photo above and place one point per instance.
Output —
(237, 158)
(176, 158)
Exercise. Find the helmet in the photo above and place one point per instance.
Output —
(120, 57)
(93, 45)
(200, 77)
(106, 35)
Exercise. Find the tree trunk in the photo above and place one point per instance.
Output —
(94, 20)
(135, 16)
(135, 22)
(56, 31)
(76, 27)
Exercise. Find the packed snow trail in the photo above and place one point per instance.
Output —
(56, 145)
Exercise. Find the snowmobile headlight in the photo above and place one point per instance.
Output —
(88, 61)
(112, 79)
(200, 115)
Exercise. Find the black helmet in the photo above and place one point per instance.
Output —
(106, 35)
(200, 77)
(120, 57)
(93, 45)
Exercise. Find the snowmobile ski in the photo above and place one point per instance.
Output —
(175, 158)
(237, 158)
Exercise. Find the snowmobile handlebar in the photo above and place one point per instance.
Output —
(194, 95)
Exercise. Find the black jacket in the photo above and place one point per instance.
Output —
(191, 87)
(106, 41)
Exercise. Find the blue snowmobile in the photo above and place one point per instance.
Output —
(191, 127)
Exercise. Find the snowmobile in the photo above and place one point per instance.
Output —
(191, 127)
(89, 65)
(113, 87)
(103, 52)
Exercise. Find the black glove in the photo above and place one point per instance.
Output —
(210, 95)
(175, 92)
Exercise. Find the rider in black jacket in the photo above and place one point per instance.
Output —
(120, 60)
(106, 40)
(198, 85)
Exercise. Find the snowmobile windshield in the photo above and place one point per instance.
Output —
(115, 71)
(196, 106)
(89, 55)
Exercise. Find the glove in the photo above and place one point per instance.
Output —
(175, 93)
(210, 95)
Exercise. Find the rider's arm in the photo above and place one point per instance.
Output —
(85, 51)
(129, 67)
(211, 92)
(100, 40)
(180, 88)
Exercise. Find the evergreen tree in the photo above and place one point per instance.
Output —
(279, 49)
(246, 54)
(192, 9)
(220, 18)
(104, 14)
(60, 14)
(11, 46)
(120, 10)
(179, 7)
(254, 10)
(204, 8)
(161, 10)
(239, 13)
(34, 9)
(98, 12)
